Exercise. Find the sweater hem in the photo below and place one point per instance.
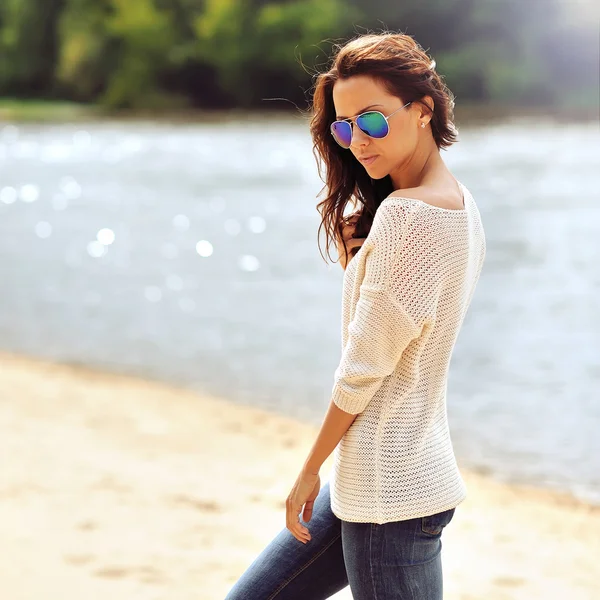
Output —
(399, 515)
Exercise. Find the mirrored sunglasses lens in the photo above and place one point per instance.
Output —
(342, 133)
(373, 124)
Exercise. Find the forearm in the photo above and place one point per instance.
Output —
(333, 428)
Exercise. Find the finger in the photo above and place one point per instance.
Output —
(354, 242)
(301, 538)
(301, 528)
(293, 523)
(299, 531)
(308, 511)
(302, 533)
(290, 518)
(297, 525)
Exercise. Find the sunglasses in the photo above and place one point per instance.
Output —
(372, 123)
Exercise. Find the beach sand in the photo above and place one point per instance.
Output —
(120, 488)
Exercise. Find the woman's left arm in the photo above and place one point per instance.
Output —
(306, 488)
(333, 428)
(382, 327)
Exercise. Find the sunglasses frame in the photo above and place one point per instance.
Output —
(352, 120)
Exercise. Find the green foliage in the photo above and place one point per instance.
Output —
(115, 50)
(145, 36)
(221, 42)
(166, 53)
(84, 61)
(297, 28)
(12, 109)
(242, 40)
(28, 45)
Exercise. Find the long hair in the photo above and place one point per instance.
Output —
(403, 67)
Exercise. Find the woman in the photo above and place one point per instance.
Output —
(412, 255)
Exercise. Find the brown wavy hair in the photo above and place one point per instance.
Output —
(404, 68)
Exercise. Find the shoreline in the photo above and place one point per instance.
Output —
(18, 110)
(128, 488)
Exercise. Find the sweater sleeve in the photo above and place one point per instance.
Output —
(390, 311)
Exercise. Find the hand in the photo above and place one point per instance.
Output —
(349, 241)
(304, 493)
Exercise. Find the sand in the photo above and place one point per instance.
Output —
(120, 488)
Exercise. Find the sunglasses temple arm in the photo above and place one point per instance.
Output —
(386, 118)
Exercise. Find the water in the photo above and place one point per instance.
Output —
(188, 253)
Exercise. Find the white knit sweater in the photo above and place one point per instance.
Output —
(405, 296)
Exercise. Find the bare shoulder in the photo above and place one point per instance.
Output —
(451, 198)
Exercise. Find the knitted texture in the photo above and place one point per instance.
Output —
(405, 296)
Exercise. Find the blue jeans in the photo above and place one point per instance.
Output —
(400, 560)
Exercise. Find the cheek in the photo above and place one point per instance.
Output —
(398, 145)
(397, 141)
(392, 149)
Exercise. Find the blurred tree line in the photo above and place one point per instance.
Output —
(236, 53)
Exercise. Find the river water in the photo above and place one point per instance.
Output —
(187, 252)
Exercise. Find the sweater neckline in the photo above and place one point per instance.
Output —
(464, 210)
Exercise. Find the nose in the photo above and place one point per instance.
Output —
(359, 138)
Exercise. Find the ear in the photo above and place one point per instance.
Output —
(428, 100)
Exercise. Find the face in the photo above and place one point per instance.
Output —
(379, 157)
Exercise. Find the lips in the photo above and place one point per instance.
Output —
(367, 160)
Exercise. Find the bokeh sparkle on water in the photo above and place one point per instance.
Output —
(188, 252)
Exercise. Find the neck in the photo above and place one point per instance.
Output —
(419, 167)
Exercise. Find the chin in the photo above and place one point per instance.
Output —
(377, 173)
